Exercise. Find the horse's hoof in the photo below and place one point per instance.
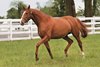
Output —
(51, 57)
(66, 55)
(37, 59)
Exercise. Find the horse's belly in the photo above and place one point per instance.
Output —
(61, 30)
(56, 35)
(60, 33)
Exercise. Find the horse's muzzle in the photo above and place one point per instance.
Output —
(22, 23)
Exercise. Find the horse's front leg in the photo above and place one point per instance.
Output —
(44, 39)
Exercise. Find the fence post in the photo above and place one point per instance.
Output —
(10, 22)
(31, 35)
(93, 25)
(31, 29)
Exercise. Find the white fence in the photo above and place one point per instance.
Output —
(93, 24)
(10, 29)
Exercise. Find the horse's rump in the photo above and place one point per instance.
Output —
(77, 25)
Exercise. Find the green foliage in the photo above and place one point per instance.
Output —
(22, 53)
(97, 11)
(49, 10)
(80, 12)
(1, 17)
(12, 13)
(15, 11)
(56, 9)
(59, 6)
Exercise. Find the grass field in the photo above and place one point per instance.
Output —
(21, 53)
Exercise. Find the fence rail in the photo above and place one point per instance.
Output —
(10, 29)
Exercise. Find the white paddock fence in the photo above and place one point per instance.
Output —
(10, 29)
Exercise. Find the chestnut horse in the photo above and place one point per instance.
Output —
(54, 28)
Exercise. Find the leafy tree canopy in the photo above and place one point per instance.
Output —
(15, 11)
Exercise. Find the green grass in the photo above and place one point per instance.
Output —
(21, 53)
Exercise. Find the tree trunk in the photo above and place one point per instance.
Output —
(88, 8)
(94, 6)
(70, 7)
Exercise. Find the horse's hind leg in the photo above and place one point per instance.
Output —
(48, 49)
(70, 41)
(76, 35)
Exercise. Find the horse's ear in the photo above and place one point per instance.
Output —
(29, 7)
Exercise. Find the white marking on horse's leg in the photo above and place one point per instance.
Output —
(83, 54)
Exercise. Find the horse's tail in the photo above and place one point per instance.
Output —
(83, 29)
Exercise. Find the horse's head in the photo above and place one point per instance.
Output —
(26, 16)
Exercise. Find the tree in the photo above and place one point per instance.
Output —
(59, 7)
(20, 8)
(97, 9)
(88, 8)
(12, 13)
(1, 17)
(70, 7)
(94, 6)
(17, 7)
(48, 10)
(80, 12)
(56, 8)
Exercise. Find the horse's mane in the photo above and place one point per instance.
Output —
(40, 13)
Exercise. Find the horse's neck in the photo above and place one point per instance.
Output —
(39, 17)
